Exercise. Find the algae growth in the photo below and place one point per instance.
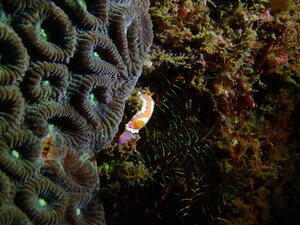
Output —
(222, 145)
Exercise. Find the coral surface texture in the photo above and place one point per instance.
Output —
(66, 69)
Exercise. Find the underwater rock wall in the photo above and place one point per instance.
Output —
(234, 67)
(240, 60)
(66, 69)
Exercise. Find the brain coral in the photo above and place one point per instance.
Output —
(66, 69)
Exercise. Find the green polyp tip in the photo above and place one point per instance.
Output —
(96, 54)
(42, 202)
(43, 34)
(46, 83)
(78, 211)
(51, 128)
(93, 100)
(15, 154)
(82, 3)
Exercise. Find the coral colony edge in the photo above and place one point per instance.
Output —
(66, 69)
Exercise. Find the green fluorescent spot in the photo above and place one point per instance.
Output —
(43, 34)
(82, 3)
(15, 154)
(93, 100)
(51, 128)
(105, 167)
(46, 83)
(96, 54)
(42, 202)
(78, 211)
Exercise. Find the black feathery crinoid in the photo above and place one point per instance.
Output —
(175, 144)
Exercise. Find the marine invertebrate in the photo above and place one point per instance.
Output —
(87, 14)
(7, 189)
(14, 57)
(95, 91)
(109, 119)
(63, 86)
(19, 153)
(139, 120)
(46, 81)
(98, 54)
(69, 126)
(130, 34)
(13, 215)
(69, 169)
(173, 155)
(43, 201)
(12, 108)
(38, 28)
(17, 5)
(82, 210)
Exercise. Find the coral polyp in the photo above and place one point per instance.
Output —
(66, 70)
(77, 145)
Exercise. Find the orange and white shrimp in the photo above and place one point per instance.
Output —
(140, 119)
